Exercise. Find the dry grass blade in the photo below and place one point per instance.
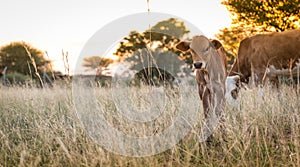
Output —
(51, 68)
(34, 65)
(62, 145)
(65, 56)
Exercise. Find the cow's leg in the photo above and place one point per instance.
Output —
(218, 102)
(263, 79)
(204, 89)
(205, 96)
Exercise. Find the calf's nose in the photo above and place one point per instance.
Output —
(198, 65)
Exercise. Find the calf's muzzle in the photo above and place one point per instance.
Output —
(198, 65)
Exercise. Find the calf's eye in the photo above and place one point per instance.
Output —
(206, 49)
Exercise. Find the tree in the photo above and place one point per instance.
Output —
(271, 15)
(96, 63)
(163, 35)
(251, 17)
(155, 47)
(231, 37)
(21, 57)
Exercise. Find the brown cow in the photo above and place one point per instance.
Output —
(279, 50)
(209, 62)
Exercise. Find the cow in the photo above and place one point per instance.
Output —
(233, 88)
(210, 66)
(259, 55)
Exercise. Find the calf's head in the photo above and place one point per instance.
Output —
(232, 87)
(200, 48)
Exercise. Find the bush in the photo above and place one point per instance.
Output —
(16, 78)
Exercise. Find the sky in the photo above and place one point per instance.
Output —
(67, 25)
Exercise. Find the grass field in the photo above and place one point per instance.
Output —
(39, 127)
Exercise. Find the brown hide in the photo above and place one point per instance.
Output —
(204, 89)
(211, 77)
(261, 51)
(221, 51)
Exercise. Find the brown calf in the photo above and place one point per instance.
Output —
(210, 64)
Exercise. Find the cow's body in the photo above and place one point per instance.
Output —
(210, 64)
(256, 54)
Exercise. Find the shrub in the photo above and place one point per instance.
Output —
(16, 78)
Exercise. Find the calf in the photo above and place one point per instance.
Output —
(210, 65)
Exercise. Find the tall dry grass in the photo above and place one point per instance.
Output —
(39, 127)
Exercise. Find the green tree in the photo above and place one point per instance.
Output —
(96, 63)
(251, 17)
(163, 35)
(152, 53)
(21, 57)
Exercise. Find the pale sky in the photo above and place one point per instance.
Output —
(67, 25)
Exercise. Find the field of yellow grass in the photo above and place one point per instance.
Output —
(40, 127)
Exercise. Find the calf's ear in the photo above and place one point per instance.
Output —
(217, 44)
(183, 46)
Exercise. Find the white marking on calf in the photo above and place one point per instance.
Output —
(232, 94)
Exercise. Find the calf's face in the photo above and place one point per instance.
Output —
(233, 90)
(200, 48)
(233, 86)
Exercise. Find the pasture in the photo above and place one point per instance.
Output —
(39, 127)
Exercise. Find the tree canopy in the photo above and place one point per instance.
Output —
(96, 63)
(163, 35)
(251, 17)
(270, 15)
(151, 54)
(21, 57)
